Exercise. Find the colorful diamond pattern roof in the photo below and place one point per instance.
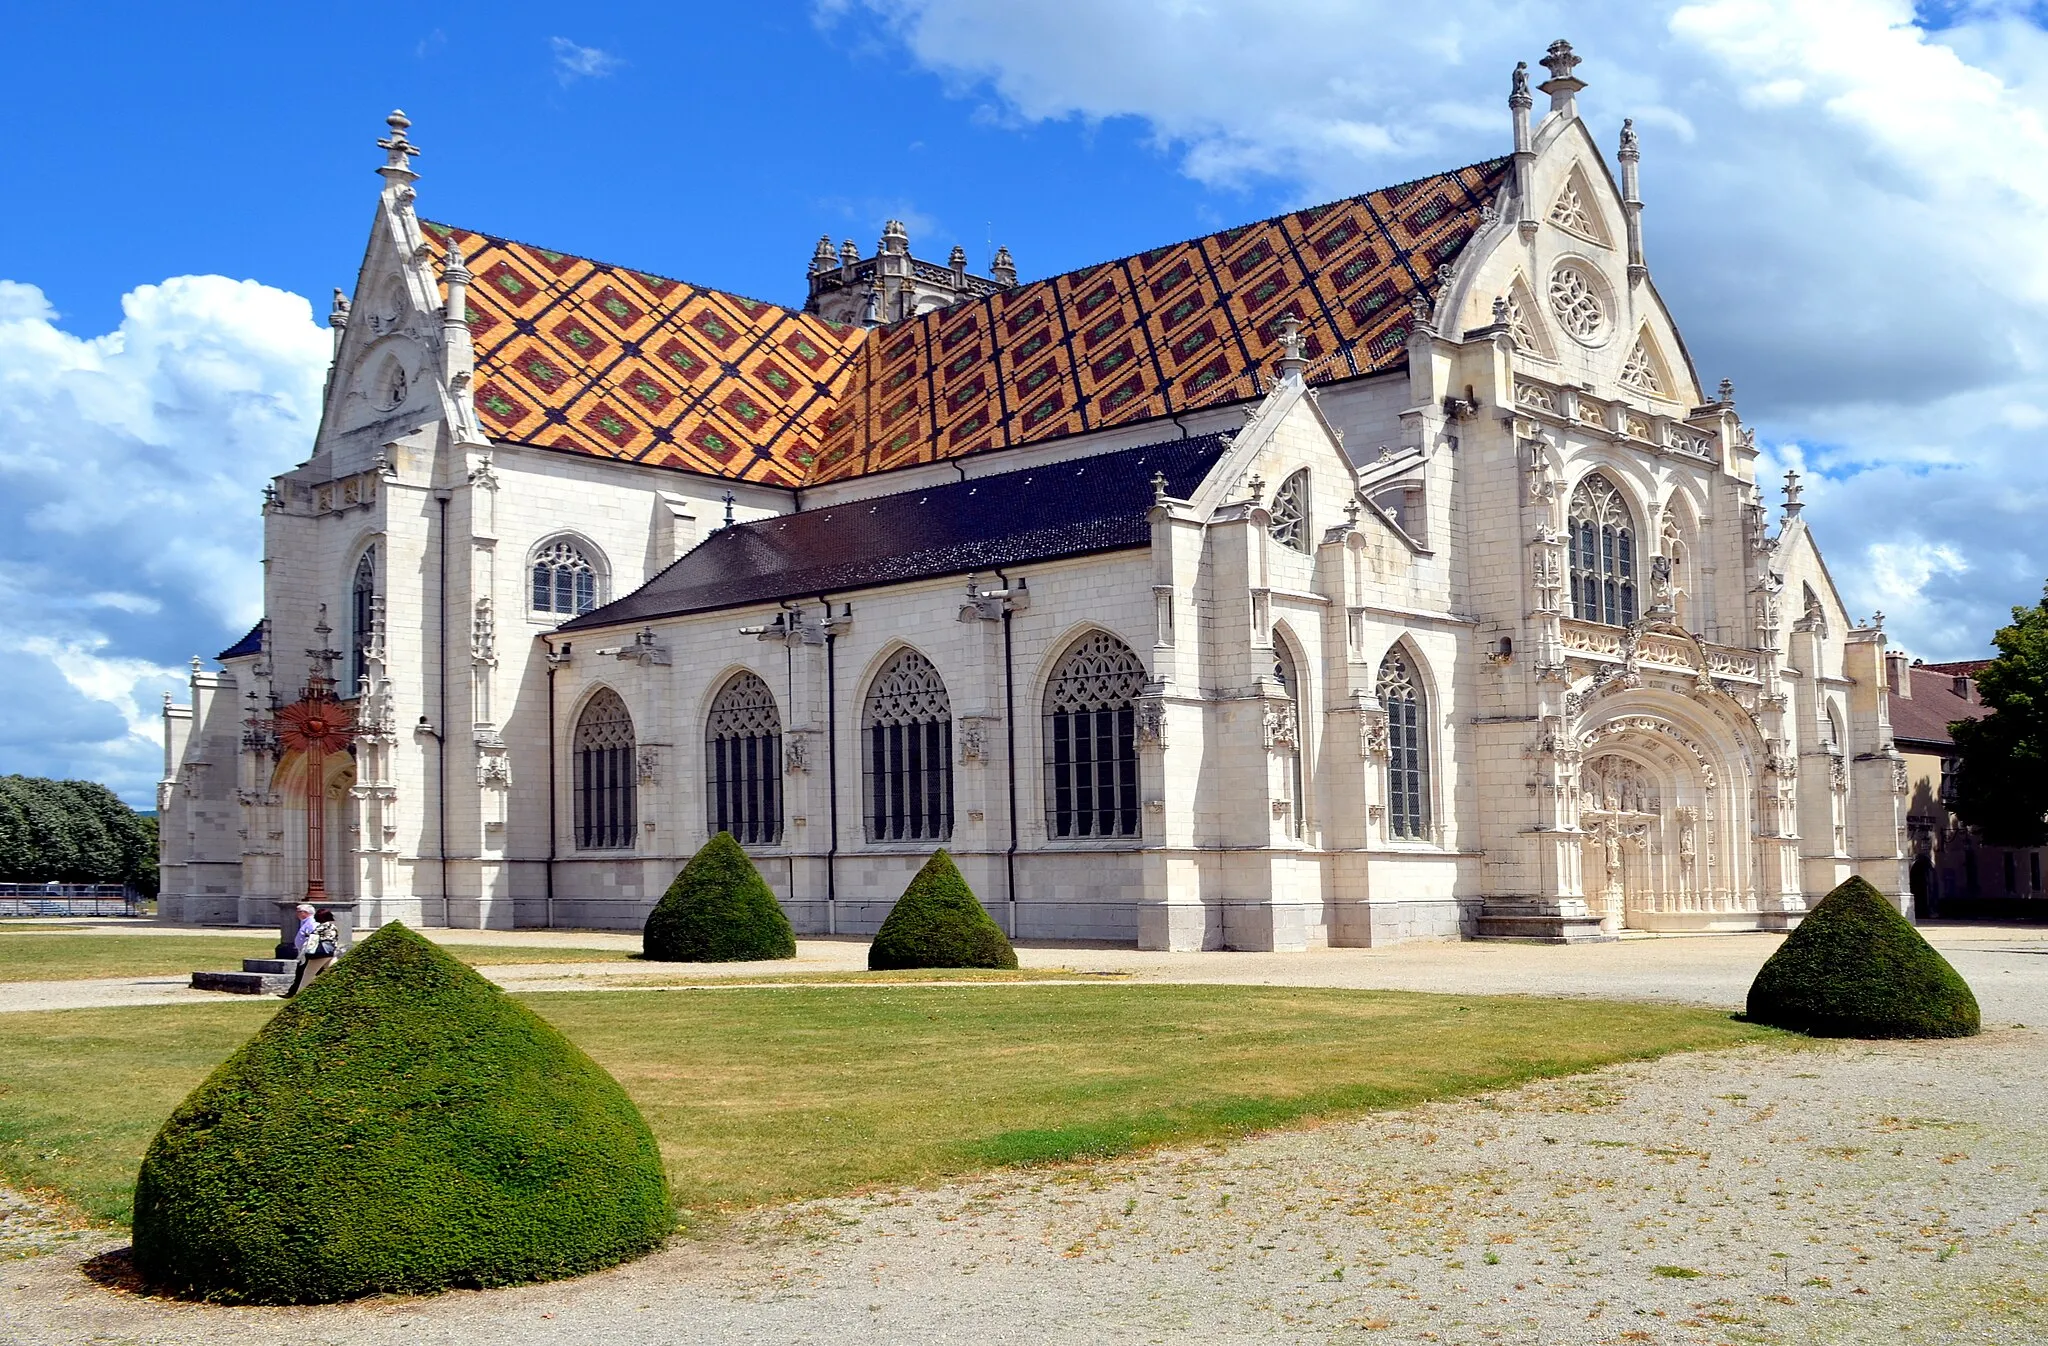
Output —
(578, 355)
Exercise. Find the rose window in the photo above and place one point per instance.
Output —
(1572, 299)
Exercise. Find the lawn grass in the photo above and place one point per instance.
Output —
(684, 978)
(55, 953)
(761, 1096)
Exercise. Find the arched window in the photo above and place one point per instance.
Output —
(1091, 741)
(908, 722)
(743, 762)
(1603, 548)
(1407, 748)
(604, 795)
(362, 609)
(564, 581)
(1290, 512)
(1287, 735)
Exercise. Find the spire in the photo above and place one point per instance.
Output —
(337, 318)
(1792, 490)
(1631, 155)
(849, 253)
(398, 151)
(1519, 102)
(822, 257)
(1003, 269)
(1562, 86)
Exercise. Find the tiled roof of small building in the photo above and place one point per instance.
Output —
(580, 355)
(1925, 716)
(1034, 514)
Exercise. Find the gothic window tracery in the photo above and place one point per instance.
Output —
(604, 804)
(1400, 693)
(1576, 303)
(908, 723)
(743, 762)
(1570, 210)
(1603, 554)
(564, 580)
(1290, 512)
(1640, 371)
(1091, 749)
(362, 608)
(1519, 330)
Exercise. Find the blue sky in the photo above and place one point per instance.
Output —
(1844, 211)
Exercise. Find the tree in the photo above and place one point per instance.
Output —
(2002, 759)
(73, 831)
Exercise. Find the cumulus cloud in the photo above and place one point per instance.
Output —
(1843, 210)
(574, 61)
(131, 466)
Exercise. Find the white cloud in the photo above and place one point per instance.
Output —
(1843, 210)
(574, 61)
(131, 466)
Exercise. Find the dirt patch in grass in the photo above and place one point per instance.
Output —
(764, 1095)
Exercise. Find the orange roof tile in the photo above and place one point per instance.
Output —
(579, 355)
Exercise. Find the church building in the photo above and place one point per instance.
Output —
(1383, 570)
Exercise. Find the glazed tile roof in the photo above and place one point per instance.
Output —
(1071, 508)
(580, 355)
(252, 643)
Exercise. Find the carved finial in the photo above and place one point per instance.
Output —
(1727, 392)
(871, 313)
(1877, 621)
(895, 238)
(337, 316)
(452, 269)
(1792, 490)
(1629, 148)
(1352, 509)
(957, 259)
(398, 151)
(1292, 359)
(1158, 488)
(849, 253)
(1562, 85)
(822, 256)
(728, 509)
(1518, 91)
(1255, 487)
(1003, 268)
(1502, 314)
(1424, 308)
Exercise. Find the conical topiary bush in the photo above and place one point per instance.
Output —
(719, 910)
(401, 1126)
(1855, 968)
(938, 923)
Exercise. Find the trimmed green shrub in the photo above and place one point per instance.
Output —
(1855, 968)
(938, 923)
(719, 910)
(401, 1126)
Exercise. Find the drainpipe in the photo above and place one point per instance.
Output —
(831, 774)
(1010, 759)
(555, 661)
(441, 701)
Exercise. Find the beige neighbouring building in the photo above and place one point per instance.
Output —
(1379, 571)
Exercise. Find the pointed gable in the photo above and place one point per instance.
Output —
(582, 356)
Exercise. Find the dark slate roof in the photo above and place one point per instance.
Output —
(1060, 509)
(1925, 716)
(249, 644)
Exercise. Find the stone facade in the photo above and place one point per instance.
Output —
(1505, 643)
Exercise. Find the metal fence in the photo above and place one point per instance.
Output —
(69, 899)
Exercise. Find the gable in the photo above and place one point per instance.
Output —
(586, 357)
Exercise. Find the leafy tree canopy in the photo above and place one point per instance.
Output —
(2002, 766)
(73, 831)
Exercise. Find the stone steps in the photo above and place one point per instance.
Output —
(259, 976)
